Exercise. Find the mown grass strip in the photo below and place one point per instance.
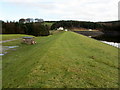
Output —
(64, 60)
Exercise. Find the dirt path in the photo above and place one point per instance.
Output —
(9, 40)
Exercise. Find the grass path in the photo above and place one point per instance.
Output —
(64, 60)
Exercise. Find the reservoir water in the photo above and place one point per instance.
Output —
(110, 39)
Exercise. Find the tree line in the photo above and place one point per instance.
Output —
(40, 29)
(36, 29)
(76, 24)
(107, 26)
(110, 26)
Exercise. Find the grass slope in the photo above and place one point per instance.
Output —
(64, 60)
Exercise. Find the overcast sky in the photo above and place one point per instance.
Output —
(82, 10)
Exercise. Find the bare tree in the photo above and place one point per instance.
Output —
(22, 20)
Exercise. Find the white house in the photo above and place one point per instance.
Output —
(90, 29)
(66, 30)
(60, 28)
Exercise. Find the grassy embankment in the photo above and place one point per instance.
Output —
(62, 60)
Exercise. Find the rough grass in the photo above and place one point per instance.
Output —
(64, 60)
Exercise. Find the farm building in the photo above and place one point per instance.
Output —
(66, 30)
(60, 28)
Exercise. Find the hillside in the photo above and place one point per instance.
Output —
(63, 60)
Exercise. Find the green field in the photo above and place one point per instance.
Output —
(63, 60)
(12, 36)
(48, 23)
